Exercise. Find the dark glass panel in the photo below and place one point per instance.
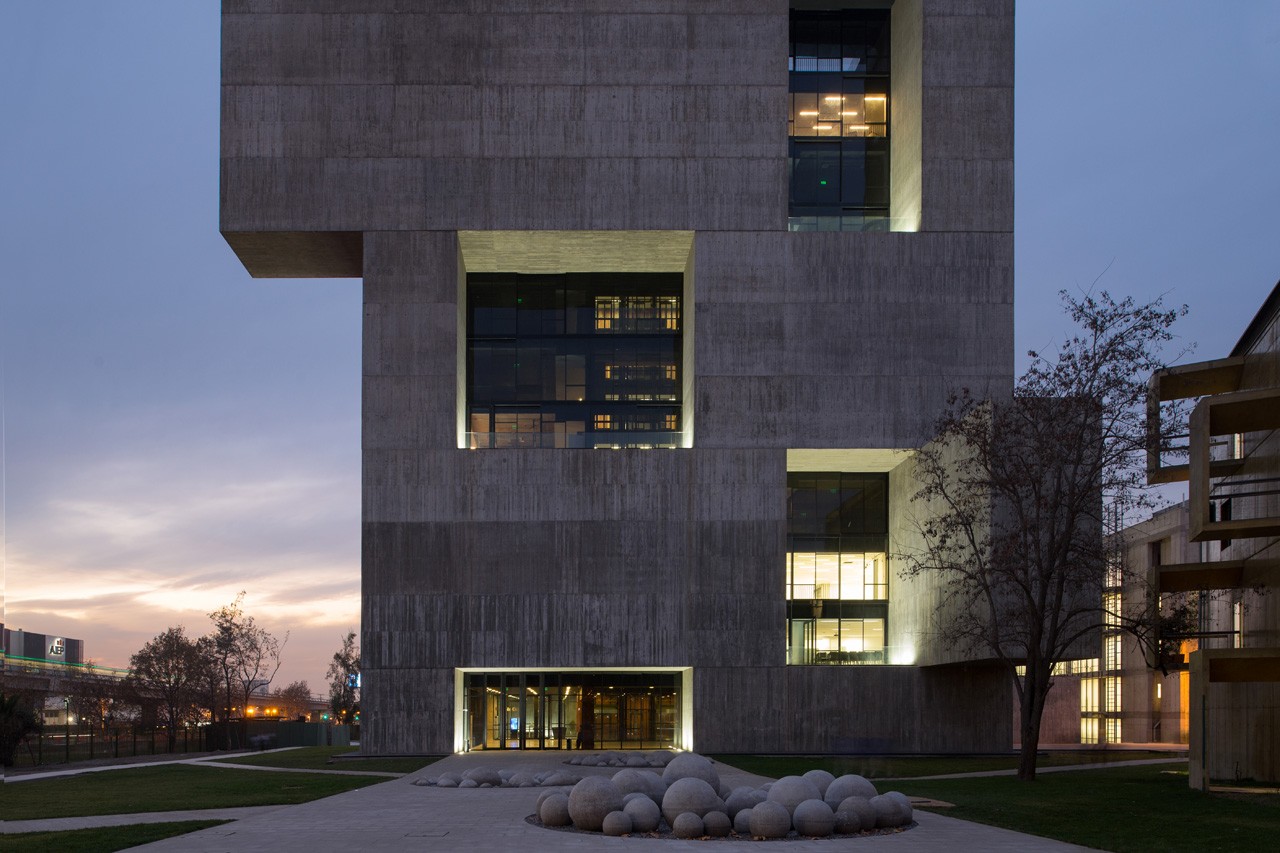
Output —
(815, 173)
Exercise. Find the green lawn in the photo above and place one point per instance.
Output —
(168, 788)
(881, 767)
(99, 840)
(325, 758)
(1138, 809)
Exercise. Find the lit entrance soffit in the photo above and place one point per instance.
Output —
(863, 460)
(575, 251)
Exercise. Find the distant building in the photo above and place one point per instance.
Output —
(652, 326)
(24, 649)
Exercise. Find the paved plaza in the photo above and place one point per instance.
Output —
(398, 815)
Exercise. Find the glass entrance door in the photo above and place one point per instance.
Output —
(572, 710)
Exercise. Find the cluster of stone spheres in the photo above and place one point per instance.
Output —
(689, 801)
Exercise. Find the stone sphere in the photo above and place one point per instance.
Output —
(791, 791)
(904, 805)
(849, 785)
(542, 798)
(637, 761)
(471, 783)
(690, 764)
(554, 810)
(616, 823)
(644, 814)
(520, 780)
(560, 777)
(687, 825)
(738, 801)
(634, 795)
(859, 807)
(888, 811)
(660, 758)
(630, 780)
(821, 779)
(592, 799)
(742, 822)
(448, 780)
(483, 775)
(717, 824)
(689, 795)
(815, 818)
(770, 820)
(847, 821)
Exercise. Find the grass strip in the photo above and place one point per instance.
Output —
(102, 840)
(172, 787)
(1123, 809)
(894, 766)
(326, 758)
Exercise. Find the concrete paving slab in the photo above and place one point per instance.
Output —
(398, 815)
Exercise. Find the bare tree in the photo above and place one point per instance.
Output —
(169, 668)
(1021, 499)
(246, 655)
(343, 677)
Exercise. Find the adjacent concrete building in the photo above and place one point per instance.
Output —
(1233, 517)
(659, 296)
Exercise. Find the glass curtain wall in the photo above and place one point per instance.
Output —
(837, 568)
(575, 360)
(572, 710)
(838, 125)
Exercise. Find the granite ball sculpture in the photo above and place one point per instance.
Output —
(821, 778)
(644, 813)
(554, 810)
(739, 799)
(889, 812)
(687, 825)
(689, 794)
(814, 818)
(690, 764)
(861, 806)
(847, 820)
(904, 804)
(791, 791)
(769, 820)
(742, 822)
(717, 824)
(849, 785)
(616, 823)
(591, 800)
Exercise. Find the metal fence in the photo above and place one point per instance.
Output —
(67, 744)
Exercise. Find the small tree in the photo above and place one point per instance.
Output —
(1013, 493)
(344, 670)
(17, 720)
(294, 700)
(168, 668)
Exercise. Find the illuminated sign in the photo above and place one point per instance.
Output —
(57, 648)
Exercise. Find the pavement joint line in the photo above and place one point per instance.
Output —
(975, 774)
(234, 766)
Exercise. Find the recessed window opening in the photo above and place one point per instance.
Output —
(575, 360)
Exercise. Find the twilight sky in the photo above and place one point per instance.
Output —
(175, 432)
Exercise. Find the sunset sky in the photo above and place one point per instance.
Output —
(175, 432)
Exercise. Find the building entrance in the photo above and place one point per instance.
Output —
(572, 710)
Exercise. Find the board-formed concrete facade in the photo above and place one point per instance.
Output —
(412, 143)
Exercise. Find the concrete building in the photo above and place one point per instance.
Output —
(1233, 512)
(652, 323)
